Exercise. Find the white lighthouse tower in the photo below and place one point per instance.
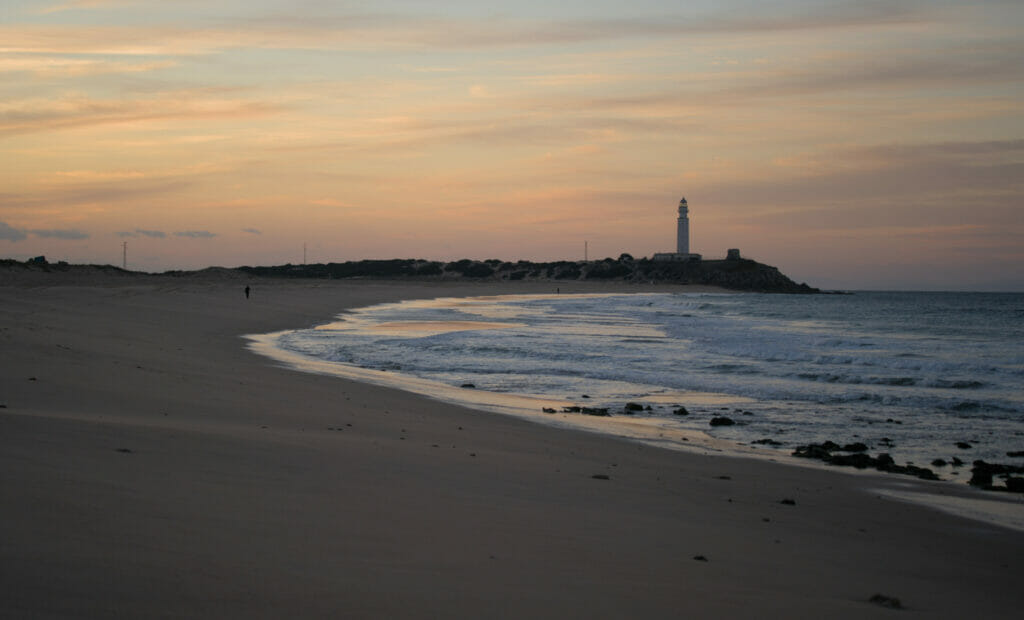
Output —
(683, 229)
(682, 253)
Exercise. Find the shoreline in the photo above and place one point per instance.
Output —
(952, 496)
(159, 468)
(525, 406)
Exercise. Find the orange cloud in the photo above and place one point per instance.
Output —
(35, 115)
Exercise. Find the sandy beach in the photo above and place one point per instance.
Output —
(152, 466)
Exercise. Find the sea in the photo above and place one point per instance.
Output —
(920, 376)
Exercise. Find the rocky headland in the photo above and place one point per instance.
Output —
(739, 274)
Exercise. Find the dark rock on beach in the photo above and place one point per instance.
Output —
(912, 470)
(722, 421)
(681, 411)
(982, 473)
(634, 407)
(963, 445)
(1017, 454)
(584, 410)
(885, 460)
(859, 459)
(819, 451)
(1014, 484)
(886, 601)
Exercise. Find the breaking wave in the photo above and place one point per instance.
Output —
(805, 364)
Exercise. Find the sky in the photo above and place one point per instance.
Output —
(854, 145)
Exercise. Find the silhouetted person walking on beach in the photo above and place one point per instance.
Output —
(247, 292)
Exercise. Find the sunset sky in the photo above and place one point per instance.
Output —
(870, 144)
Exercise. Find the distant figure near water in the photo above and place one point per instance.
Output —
(247, 292)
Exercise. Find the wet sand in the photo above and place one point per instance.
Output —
(151, 466)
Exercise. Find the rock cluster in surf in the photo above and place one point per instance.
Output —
(855, 455)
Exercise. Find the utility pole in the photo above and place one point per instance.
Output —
(124, 255)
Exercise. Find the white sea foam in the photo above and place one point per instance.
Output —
(921, 370)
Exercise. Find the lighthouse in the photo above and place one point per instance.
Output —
(683, 229)
(682, 253)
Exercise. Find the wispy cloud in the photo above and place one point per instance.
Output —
(92, 194)
(99, 175)
(855, 189)
(7, 233)
(26, 116)
(82, 5)
(330, 202)
(155, 234)
(69, 234)
(62, 66)
(375, 128)
(904, 70)
(379, 32)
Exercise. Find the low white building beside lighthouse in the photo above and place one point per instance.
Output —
(682, 252)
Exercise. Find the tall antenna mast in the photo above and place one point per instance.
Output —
(124, 255)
